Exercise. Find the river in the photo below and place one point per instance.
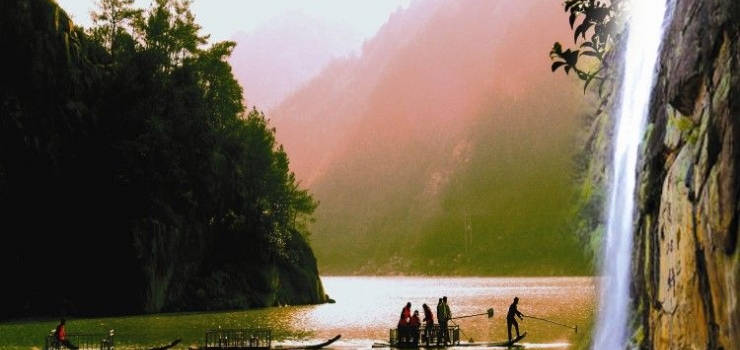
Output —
(365, 309)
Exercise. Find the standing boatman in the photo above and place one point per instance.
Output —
(511, 317)
(443, 315)
(440, 311)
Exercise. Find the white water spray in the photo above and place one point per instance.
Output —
(645, 33)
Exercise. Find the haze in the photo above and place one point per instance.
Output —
(224, 18)
(432, 132)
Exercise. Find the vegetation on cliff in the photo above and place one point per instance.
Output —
(597, 30)
(602, 21)
(132, 179)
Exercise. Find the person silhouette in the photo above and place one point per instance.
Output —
(428, 322)
(413, 330)
(511, 317)
(60, 335)
(443, 316)
(403, 323)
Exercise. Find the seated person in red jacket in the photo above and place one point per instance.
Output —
(403, 323)
(61, 335)
(414, 323)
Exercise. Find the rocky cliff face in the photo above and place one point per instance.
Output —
(686, 257)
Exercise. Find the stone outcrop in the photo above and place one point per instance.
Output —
(686, 256)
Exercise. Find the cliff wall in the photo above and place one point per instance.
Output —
(686, 252)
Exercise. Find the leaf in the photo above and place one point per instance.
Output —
(571, 57)
(569, 4)
(594, 39)
(557, 65)
(581, 30)
(557, 48)
(572, 18)
(598, 14)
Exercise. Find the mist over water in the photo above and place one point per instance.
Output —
(645, 33)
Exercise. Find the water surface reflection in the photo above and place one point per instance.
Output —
(368, 306)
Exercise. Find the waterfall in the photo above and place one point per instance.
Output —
(645, 33)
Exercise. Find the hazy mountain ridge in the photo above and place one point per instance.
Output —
(463, 126)
(279, 56)
(313, 123)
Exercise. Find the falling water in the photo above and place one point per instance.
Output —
(645, 33)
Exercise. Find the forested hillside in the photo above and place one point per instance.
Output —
(447, 147)
(132, 179)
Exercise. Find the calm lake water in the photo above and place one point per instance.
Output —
(365, 309)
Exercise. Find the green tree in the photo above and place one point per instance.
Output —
(147, 174)
(196, 153)
(170, 32)
(268, 186)
(113, 19)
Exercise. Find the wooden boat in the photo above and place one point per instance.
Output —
(425, 336)
(310, 347)
(171, 345)
(430, 336)
(251, 339)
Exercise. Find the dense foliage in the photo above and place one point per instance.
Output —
(602, 21)
(131, 176)
(599, 33)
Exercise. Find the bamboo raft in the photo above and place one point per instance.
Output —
(252, 339)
